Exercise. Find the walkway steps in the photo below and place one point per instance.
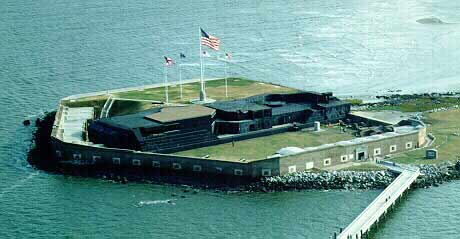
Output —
(371, 215)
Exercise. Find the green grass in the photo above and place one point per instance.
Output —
(259, 148)
(354, 101)
(421, 103)
(124, 107)
(443, 125)
(364, 167)
(97, 102)
(237, 88)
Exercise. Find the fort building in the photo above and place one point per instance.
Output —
(174, 128)
(188, 138)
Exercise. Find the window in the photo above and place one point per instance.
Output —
(292, 169)
(177, 166)
(77, 156)
(343, 158)
(377, 152)
(309, 165)
(393, 148)
(136, 162)
(327, 162)
(238, 172)
(351, 156)
(219, 169)
(116, 161)
(58, 154)
(408, 145)
(266, 172)
(156, 164)
(197, 168)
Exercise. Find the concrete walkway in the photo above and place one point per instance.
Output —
(371, 215)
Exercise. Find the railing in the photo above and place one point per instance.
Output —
(367, 218)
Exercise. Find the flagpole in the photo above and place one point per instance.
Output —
(180, 77)
(202, 92)
(226, 85)
(166, 83)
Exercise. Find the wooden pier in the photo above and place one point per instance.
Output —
(379, 207)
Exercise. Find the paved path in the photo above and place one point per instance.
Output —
(382, 203)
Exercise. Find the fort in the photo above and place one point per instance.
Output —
(262, 130)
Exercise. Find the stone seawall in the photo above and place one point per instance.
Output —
(432, 175)
(328, 180)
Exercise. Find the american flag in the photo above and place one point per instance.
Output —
(228, 56)
(209, 41)
(169, 61)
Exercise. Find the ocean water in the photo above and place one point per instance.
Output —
(51, 49)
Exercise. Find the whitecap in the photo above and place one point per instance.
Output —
(155, 202)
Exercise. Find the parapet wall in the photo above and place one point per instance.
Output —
(368, 120)
(112, 157)
(335, 154)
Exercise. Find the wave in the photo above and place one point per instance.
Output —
(154, 202)
(18, 184)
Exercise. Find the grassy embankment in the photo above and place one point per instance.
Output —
(354, 101)
(419, 103)
(237, 88)
(442, 125)
(445, 126)
(260, 148)
(94, 101)
(364, 166)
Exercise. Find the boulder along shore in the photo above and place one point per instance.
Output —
(432, 175)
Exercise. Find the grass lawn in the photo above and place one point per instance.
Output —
(259, 148)
(354, 101)
(124, 107)
(445, 126)
(97, 102)
(366, 166)
(237, 88)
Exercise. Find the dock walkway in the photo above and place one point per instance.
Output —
(371, 215)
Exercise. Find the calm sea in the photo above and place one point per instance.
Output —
(51, 49)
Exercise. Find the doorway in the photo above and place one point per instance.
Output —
(361, 153)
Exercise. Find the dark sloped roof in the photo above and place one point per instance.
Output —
(157, 116)
(132, 120)
(290, 108)
(237, 105)
(176, 113)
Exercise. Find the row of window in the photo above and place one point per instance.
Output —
(345, 158)
(175, 166)
(393, 148)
